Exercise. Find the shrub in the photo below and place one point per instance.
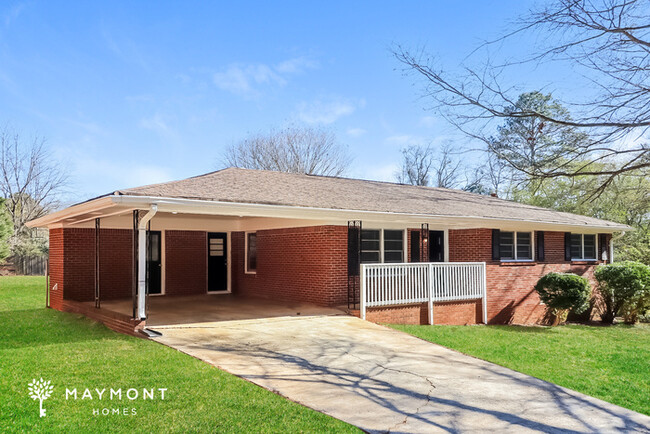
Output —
(563, 292)
(625, 288)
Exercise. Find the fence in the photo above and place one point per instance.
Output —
(30, 265)
(407, 283)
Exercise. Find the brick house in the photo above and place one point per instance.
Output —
(319, 240)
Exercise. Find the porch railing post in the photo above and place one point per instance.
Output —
(484, 271)
(362, 295)
(430, 292)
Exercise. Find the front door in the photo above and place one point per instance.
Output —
(154, 263)
(436, 246)
(217, 262)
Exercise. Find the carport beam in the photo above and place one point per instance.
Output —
(142, 261)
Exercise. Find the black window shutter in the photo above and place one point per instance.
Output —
(540, 245)
(602, 245)
(353, 251)
(496, 244)
(567, 246)
(415, 246)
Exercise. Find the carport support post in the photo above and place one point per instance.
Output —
(362, 293)
(97, 241)
(142, 261)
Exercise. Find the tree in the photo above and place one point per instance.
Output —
(564, 292)
(608, 42)
(6, 230)
(423, 164)
(529, 146)
(293, 149)
(30, 181)
(625, 288)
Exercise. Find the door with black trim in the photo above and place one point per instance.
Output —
(154, 263)
(436, 246)
(217, 262)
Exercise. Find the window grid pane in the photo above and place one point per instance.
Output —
(589, 246)
(370, 252)
(524, 247)
(507, 245)
(393, 246)
(576, 246)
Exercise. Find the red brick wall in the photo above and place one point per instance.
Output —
(79, 264)
(186, 261)
(56, 261)
(450, 313)
(298, 264)
(115, 263)
(72, 264)
(510, 294)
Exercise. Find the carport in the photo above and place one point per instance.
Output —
(206, 310)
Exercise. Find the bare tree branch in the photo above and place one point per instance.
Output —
(293, 149)
(608, 41)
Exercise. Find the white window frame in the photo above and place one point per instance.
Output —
(246, 270)
(381, 245)
(582, 248)
(514, 240)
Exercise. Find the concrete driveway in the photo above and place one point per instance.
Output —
(382, 380)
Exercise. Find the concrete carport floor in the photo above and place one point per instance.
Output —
(382, 380)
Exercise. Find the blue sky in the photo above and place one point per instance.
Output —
(128, 93)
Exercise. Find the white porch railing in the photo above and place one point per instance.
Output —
(430, 282)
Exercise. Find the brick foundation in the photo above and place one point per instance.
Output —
(449, 313)
(116, 321)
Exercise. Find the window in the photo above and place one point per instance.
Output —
(516, 246)
(251, 252)
(393, 246)
(370, 246)
(378, 245)
(583, 246)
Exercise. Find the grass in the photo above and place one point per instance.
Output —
(74, 352)
(610, 363)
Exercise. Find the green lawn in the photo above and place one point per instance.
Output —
(610, 363)
(74, 352)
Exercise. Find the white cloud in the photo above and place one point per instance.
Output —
(296, 65)
(248, 79)
(327, 111)
(428, 121)
(356, 132)
(155, 123)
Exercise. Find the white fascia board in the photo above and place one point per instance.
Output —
(196, 206)
(48, 220)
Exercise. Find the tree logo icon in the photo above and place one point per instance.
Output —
(40, 390)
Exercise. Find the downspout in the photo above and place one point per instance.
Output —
(142, 261)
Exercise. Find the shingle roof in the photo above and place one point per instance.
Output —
(277, 188)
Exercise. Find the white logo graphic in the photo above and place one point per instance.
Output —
(40, 390)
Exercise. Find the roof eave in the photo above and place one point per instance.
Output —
(207, 207)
